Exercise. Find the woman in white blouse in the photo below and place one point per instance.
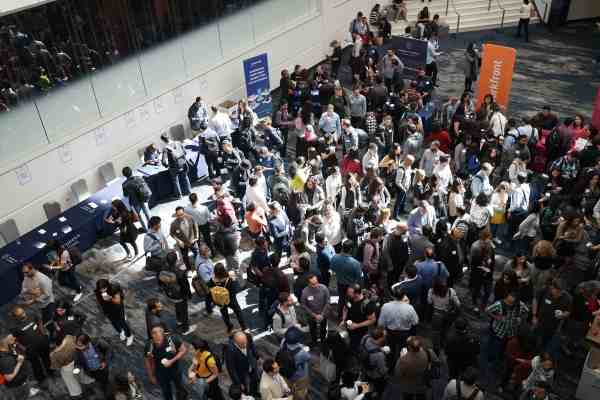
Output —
(332, 225)
(456, 198)
(498, 203)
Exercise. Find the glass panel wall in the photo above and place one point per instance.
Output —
(68, 63)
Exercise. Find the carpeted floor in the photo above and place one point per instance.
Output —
(553, 69)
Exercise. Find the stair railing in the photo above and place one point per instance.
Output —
(457, 16)
(503, 14)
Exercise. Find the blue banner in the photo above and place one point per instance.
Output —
(256, 72)
(412, 52)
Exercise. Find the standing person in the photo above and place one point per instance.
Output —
(284, 313)
(174, 282)
(399, 319)
(161, 359)
(433, 46)
(482, 270)
(506, 315)
(465, 387)
(408, 379)
(388, 67)
(462, 348)
(315, 299)
(185, 232)
(526, 12)
(347, 270)
(430, 269)
(241, 360)
(280, 229)
(155, 244)
(14, 371)
(94, 357)
(205, 271)
(272, 384)
(124, 219)
(109, 297)
(201, 216)
(330, 123)
(156, 315)
(325, 254)
(29, 332)
(396, 252)
(358, 108)
(445, 307)
(205, 370)
(404, 182)
(138, 194)
(222, 292)
(294, 361)
(174, 159)
(551, 307)
(471, 66)
(37, 290)
(519, 199)
(220, 123)
(65, 264)
(358, 314)
(372, 352)
(198, 114)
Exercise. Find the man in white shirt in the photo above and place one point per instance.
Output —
(518, 203)
(201, 216)
(432, 54)
(37, 289)
(220, 123)
(444, 173)
(524, 16)
(404, 178)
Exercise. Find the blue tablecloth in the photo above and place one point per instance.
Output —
(159, 178)
(79, 226)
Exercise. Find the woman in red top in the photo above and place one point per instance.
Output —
(441, 136)
(351, 164)
(579, 129)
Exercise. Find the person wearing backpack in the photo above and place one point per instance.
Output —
(222, 292)
(174, 282)
(283, 314)
(293, 360)
(138, 194)
(205, 370)
(372, 354)
(174, 159)
(464, 388)
(198, 115)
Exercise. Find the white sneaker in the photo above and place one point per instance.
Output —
(191, 329)
(122, 335)
(77, 297)
(129, 341)
(33, 391)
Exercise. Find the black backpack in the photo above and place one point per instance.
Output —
(141, 189)
(364, 355)
(286, 359)
(553, 147)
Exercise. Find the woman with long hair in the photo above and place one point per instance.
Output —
(60, 259)
(445, 306)
(498, 221)
(508, 283)
(124, 219)
(456, 198)
(483, 261)
(471, 67)
(524, 271)
(110, 298)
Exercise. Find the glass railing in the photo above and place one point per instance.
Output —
(68, 64)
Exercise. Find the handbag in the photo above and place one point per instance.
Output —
(433, 370)
(498, 218)
(199, 287)
(327, 368)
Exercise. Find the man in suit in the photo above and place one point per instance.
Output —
(241, 360)
(185, 233)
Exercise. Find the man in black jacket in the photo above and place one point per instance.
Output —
(241, 360)
(462, 348)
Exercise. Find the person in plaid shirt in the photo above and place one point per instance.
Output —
(507, 316)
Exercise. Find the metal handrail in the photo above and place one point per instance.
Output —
(457, 15)
(503, 13)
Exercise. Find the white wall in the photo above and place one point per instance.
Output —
(582, 9)
(11, 6)
(48, 176)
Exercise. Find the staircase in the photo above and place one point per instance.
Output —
(474, 14)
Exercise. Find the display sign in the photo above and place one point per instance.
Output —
(256, 72)
(496, 74)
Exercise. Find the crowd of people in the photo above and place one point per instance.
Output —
(400, 226)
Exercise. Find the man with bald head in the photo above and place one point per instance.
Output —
(396, 252)
(13, 369)
(28, 330)
(241, 360)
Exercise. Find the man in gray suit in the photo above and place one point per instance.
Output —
(185, 233)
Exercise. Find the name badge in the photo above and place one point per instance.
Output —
(453, 252)
(310, 298)
(169, 349)
(348, 305)
(70, 318)
(548, 301)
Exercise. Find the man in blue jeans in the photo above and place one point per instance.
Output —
(404, 179)
(138, 193)
(174, 159)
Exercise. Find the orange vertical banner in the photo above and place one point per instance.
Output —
(596, 112)
(496, 73)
